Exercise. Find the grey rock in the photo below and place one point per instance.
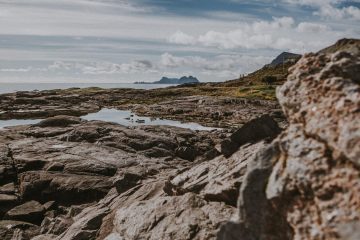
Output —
(251, 132)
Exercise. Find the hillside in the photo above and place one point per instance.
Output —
(345, 44)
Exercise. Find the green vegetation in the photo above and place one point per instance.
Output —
(280, 72)
(266, 92)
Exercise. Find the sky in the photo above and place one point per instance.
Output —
(123, 41)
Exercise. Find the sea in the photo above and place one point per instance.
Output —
(14, 87)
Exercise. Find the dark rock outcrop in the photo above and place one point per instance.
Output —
(284, 58)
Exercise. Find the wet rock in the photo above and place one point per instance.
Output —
(32, 212)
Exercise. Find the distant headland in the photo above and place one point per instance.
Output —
(166, 80)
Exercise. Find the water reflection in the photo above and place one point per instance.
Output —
(128, 118)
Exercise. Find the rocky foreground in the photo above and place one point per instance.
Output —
(70, 179)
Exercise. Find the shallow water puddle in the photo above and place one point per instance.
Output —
(17, 122)
(128, 118)
(122, 117)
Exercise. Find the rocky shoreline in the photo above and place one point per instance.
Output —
(276, 170)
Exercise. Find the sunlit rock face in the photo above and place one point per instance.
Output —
(306, 184)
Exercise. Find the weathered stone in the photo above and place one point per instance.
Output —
(44, 237)
(16, 230)
(216, 180)
(32, 212)
(191, 216)
(86, 224)
(251, 132)
(59, 121)
(309, 186)
(64, 188)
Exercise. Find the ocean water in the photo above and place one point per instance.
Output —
(122, 117)
(14, 87)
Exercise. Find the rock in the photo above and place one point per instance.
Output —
(215, 180)
(59, 121)
(16, 230)
(49, 205)
(8, 188)
(253, 131)
(126, 180)
(32, 212)
(44, 237)
(306, 186)
(7, 201)
(257, 216)
(56, 225)
(86, 224)
(7, 198)
(63, 188)
(187, 153)
(349, 231)
(194, 218)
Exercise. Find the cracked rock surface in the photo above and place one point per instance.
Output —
(306, 184)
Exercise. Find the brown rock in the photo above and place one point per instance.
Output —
(308, 186)
(193, 218)
(10, 230)
(32, 212)
(253, 131)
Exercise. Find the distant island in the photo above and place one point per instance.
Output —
(166, 80)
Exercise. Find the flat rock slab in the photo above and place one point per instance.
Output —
(32, 212)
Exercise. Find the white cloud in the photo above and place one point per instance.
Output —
(328, 11)
(28, 69)
(228, 63)
(281, 34)
(308, 27)
(98, 68)
(329, 8)
(260, 34)
(181, 38)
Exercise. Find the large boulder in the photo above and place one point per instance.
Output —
(308, 186)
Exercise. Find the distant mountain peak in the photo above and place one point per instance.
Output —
(285, 57)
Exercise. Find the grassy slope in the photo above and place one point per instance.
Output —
(250, 87)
